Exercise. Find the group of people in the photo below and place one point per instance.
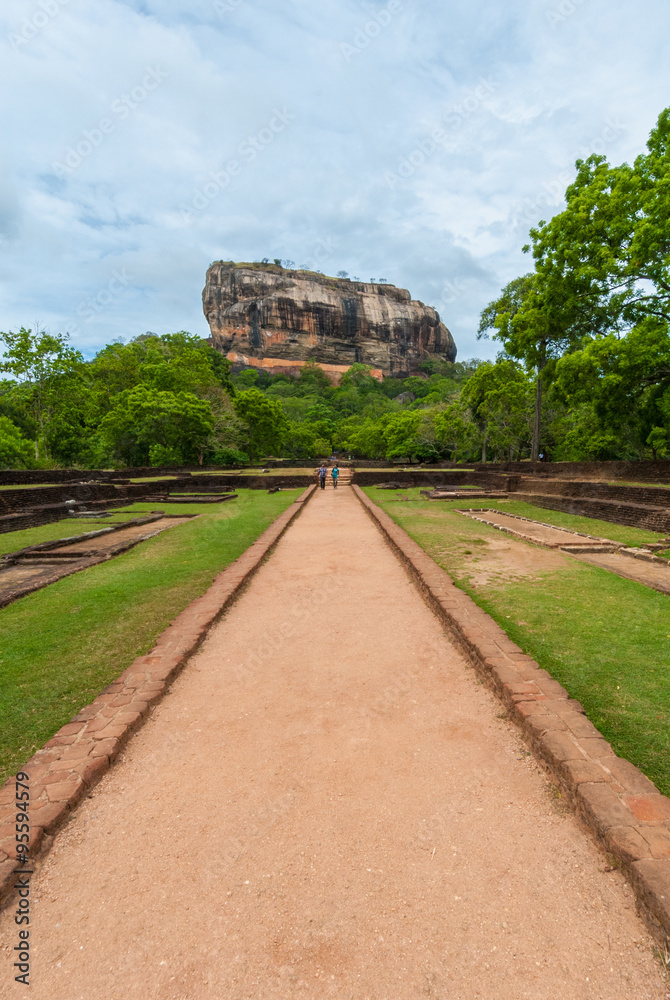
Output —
(322, 472)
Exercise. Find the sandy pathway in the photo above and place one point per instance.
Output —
(329, 805)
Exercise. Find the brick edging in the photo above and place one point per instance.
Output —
(77, 756)
(619, 804)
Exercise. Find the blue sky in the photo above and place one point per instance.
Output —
(413, 140)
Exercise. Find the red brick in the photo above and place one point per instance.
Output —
(627, 844)
(112, 732)
(94, 726)
(560, 747)
(140, 707)
(658, 839)
(106, 748)
(649, 808)
(597, 748)
(69, 791)
(52, 778)
(632, 779)
(71, 729)
(545, 723)
(78, 750)
(652, 878)
(580, 726)
(502, 674)
(49, 816)
(531, 709)
(524, 687)
(602, 806)
(8, 792)
(584, 770)
(60, 741)
(91, 771)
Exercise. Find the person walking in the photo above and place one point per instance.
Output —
(335, 473)
(322, 476)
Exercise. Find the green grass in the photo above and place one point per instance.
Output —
(605, 638)
(560, 519)
(60, 646)
(625, 482)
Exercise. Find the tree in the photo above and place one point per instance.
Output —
(266, 425)
(534, 320)
(497, 396)
(401, 435)
(612, 242)
(36, 361)
(151, 426)
(15, 450)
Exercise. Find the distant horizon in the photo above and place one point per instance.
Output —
(418, 143)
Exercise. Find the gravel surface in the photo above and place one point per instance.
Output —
(328, 804)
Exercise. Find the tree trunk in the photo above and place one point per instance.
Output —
(486, 434)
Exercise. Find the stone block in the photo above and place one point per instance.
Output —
(602, 806)
(654, 808)
(626, 843)
(596, 747)
(560, 747)
(90, 771)
(579, 771)
(69, 791)
(658, 838)
(630, 777)
(49, 816)
(652, 877)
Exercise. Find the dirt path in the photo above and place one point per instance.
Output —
(328, 805)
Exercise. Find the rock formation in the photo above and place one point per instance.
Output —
(268, 317)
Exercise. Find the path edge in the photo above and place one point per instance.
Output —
(69, 764)
(620, 806)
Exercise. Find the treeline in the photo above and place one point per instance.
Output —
(583, 372)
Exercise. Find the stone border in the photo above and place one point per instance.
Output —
(619, 804)
(472, 512)
(576, 548)
(85, 559)
(77, 756)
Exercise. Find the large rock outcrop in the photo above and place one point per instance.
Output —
(269, 317)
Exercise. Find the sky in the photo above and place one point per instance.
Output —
(411, 140)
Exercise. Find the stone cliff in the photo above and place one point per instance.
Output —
(268, 317)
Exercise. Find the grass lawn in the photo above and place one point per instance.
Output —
(12, 541)
(60, 646)
(573, 522)
(606, 639)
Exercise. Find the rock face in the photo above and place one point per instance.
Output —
(269, 317)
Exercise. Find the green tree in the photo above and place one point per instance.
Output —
(151, 426)
(266, 426)
(15, 451)
(38, 361)
(497, 396)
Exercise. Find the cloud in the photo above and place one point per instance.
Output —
(418, 142)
